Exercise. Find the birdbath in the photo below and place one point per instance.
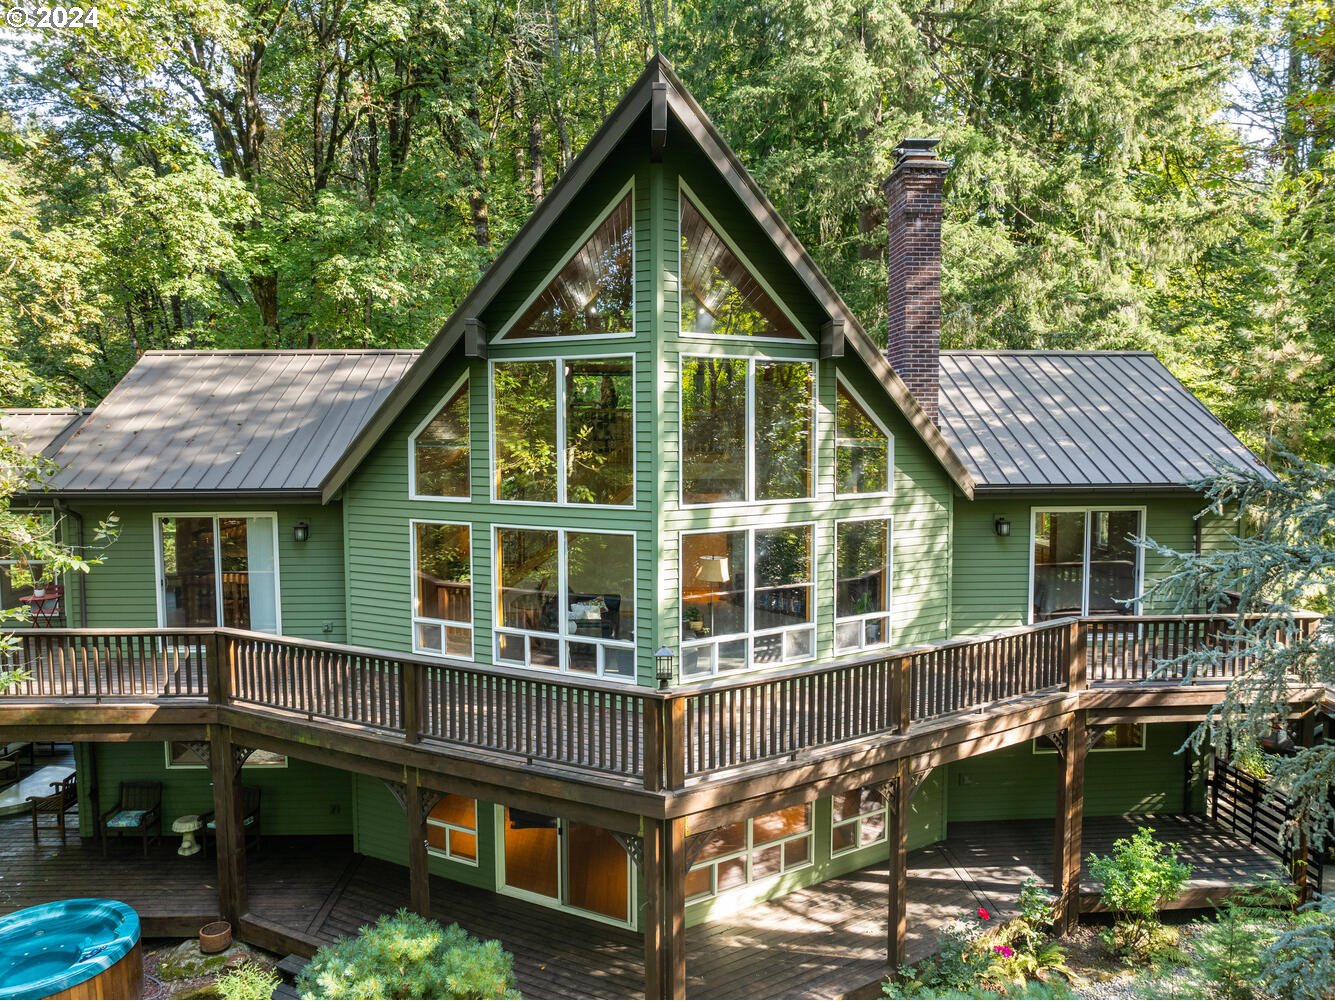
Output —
(186, 827)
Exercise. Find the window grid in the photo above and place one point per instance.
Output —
(452, 829)
(422, 625)
(868, 630)
(747, 854)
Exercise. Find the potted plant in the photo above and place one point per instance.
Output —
(695, 620)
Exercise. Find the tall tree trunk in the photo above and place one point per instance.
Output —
(264, 290)
(477, 198)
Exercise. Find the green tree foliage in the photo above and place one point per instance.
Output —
(31, 541)
(1300, 962)
(336, 172)
(1138, 878)
(1282, 560)
(409, 956)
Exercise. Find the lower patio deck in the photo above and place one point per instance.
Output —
(822, 942)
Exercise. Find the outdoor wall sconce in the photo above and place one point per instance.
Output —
(301, 532)
(663, 666)
(1002, 526)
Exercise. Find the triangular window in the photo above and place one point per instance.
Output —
(719, 295)
(440, 450)
(593, 293)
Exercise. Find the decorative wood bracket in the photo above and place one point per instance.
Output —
(475, 338)
(695, 844)
(889, 790)
(239, 756)
(400, 793)
(1058, 740)
(1094, 736)
(832, 339)
(634, 846)
(658, 121)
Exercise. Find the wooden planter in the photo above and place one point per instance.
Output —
(215, 937)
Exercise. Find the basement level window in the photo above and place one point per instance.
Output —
(1121, 737)
(451, 829)
(189, 754)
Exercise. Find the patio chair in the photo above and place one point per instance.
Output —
(138, 810)
(250, 821)
(64, 796)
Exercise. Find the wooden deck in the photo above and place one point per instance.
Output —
(823, 942)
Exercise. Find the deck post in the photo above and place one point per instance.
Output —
(1072, 745)
(674, 908)
(900, 792)
(228, 811)
(651, 908)
(419, 876)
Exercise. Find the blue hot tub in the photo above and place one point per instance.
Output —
(85, 948)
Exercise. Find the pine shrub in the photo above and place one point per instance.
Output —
(408, 956)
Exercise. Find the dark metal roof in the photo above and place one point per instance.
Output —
(658, 74)
(226, 422)
(40, 430)
(1076, 419)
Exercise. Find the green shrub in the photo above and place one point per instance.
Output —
(408, 956)
(1226, 952)
(1138, 877)
(1300, 962)
(248, 982)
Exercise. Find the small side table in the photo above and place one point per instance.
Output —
(186, 827)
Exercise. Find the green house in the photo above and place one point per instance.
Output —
(652, 452)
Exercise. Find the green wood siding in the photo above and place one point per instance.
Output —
(1017, 783)
(991, 574)
(302, 798)
(122, 591)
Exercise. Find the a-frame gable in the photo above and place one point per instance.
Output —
(657, 107)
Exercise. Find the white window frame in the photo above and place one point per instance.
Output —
(443, 623)
(1088, 510)
(855, 822)
(751, 633)
(889, 491)
(160, 573)
(562, 472)
(171, 765)
(450, 830)
(558, 902)
(751, 362)
(575, 248)
(685, 191)
(889, 613)
(412, 446)
(564, 637)
(746, 855)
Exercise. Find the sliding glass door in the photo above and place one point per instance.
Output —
(218, 570)
(1085, 562)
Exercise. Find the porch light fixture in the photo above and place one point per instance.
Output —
(301, 532)
(1002, 526)
(663, 666)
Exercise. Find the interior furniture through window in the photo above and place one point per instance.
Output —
(1085, 562)
(218, 570)
(442, 575)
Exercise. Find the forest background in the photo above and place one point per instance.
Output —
(1146, 174)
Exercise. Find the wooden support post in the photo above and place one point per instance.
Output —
(215, 677)
(411, 707)
(419, 877)
(228, 813)
(655, 749)
(1070, 821)
(897, 867)
(901, 694)
(651, 908)
(674, 908)
(674, 743)
(1077, 657)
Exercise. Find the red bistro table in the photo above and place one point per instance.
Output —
(42, 610)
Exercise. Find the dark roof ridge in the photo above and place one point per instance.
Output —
(1104, 352)
(242, 352)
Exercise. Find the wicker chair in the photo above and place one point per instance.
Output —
(63, 798)
(138, 810)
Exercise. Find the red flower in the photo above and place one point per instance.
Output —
(982, 913)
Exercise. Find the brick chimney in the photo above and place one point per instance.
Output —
(913, 345)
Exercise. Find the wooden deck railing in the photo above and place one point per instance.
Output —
(1126, 649)
(629, 734)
